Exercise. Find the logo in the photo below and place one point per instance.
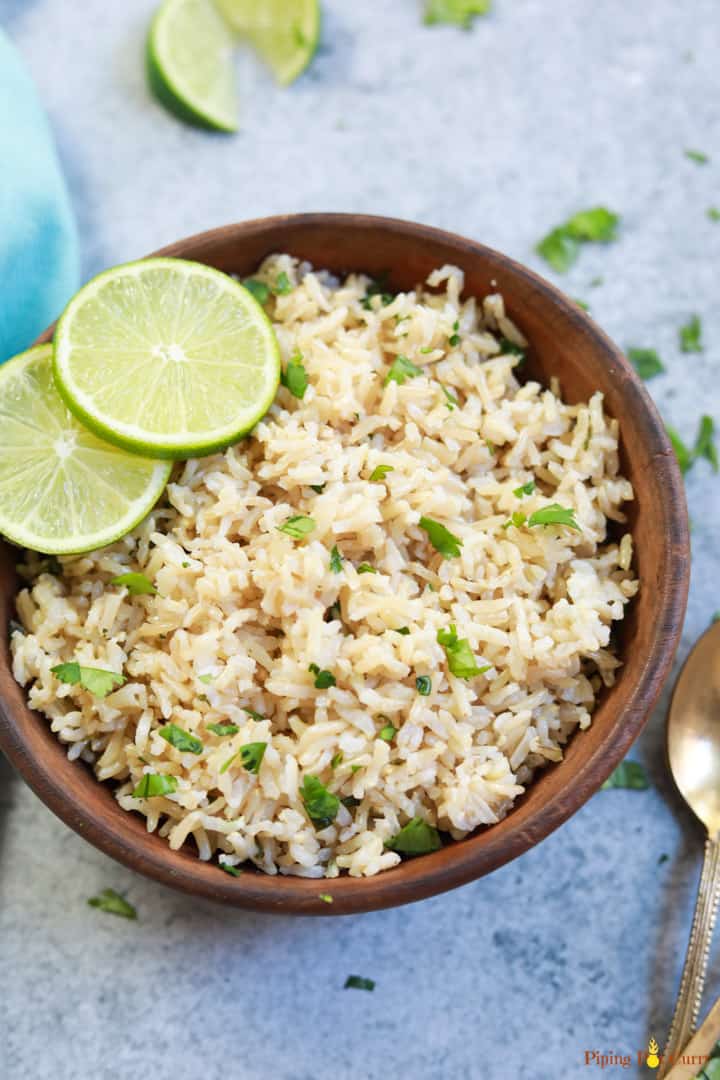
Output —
(652, 1060)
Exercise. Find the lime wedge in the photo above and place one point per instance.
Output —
(190, 63)
(167, 358)
(284, 32)
(62, 490)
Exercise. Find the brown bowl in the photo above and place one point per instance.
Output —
(563, 342)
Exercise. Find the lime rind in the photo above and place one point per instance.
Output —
(62, 490)
(190, 63)
(153, 404)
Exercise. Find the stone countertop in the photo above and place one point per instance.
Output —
(499, 134)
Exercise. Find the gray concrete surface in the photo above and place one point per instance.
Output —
(543, 109)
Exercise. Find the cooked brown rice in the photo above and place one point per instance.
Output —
(252, 608)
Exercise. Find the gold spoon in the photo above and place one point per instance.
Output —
(693, 743)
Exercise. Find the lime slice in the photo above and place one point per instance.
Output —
(62, 490)
(284, 32)
(167, 358)
(190, 63)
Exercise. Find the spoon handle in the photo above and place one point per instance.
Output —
(692, 982)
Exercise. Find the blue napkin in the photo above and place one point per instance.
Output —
(38, 242)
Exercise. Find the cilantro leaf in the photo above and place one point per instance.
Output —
(581, 304)
(323, 679)
(454, 12)
(554, 514)
(404, 630)
(318, 488)
(454, 339)
(380, 472)
(561, 247)
(336, 560)
(690, 336)
(509, 348)
(259, 289)
(518, 519)
(682, 453)
(136, 584)
(415, 838)
(378, 287)
(283, 284)
(713, 213)
(223, 729)
(181, 740)
(451, 401)
(646, 362)
(254, 715)
(153, 784)
(366, 568)
(387, 733)
(251, 755)
(207, 679)
(294, 377)
(336, 759)
(460, 658)
(96, 680)
(423, 685)
(704, 443)
(441, 538)
(112, 902)
(629, 774)
(524, 489)
(297, 526)
(234, 871)
(697, 156)
(358, 982)
(400, 370)
(325, 897)
(320, 804)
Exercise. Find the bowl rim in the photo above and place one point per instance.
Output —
(465, 860)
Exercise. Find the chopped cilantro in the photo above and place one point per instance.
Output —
(358, 982)
(690, 336)
(321, 805)
(561, 247)
(380, 472)
(629, 774)
(682, 453)
(713, 213)
(554, 514)
(136, 584)
(454, 338)
(366, 568)
(662, 858)
(223, 729)
(355, 768)
(378, 287)
(441, 538)
(415, 838)
(400, 370)
(254, 715)
(112, 902)
(297, 526)
(509, 348)
(423, 685)
(524, 489)
(387, 733)
(581, 304)
(95, 680)
(259, 289)
(153, 784)
(336, 760)
(705, 444)
(234, 871)
(404, 630)
(455, 12)
(318, 488)
(323, 679)
(491, 446)
(294, 377)
(646, 362)
(461, 661)
(325, 897)
(697, 156)
(207, 679)
(518, 519)
(251, 755)
(282, 285)
(181, 740)
(336, 560)
(450, 400)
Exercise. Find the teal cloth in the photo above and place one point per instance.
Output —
(38, 241)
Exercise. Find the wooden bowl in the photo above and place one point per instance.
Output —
(563, 342)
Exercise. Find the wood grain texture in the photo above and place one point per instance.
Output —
(564, 342)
